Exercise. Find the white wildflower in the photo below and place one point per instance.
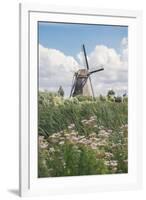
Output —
(84, 120)
(82, 136)
(102, 143)
(71, 126)
(73, 133)
(93, 146)
(73, 139)
(41, 138)
(93, 118)
(108, 155)
(44, 145)
(61, 142)
(92, 135)
(109, 131)
(52, 150)
(113, 163)
(103, 133)
(114, 169)
(66, 134)
(125, 161)
(101, 127)
(42, 142)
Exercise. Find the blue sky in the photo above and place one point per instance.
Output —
(68, 38)
(60, 55)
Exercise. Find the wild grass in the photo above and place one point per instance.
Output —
(81, 136)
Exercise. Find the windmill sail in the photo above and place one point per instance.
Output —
(87, 65)
(91, 87)
(88, 87)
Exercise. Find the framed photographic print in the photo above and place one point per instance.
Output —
(80, 100)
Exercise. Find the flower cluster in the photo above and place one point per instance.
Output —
(107, 144)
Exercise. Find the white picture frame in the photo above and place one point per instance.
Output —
(29, 184)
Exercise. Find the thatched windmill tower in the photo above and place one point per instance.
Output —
(82, 84)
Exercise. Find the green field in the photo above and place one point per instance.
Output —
(81, 136)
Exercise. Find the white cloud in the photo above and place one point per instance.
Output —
(124, 49)
(57, 69)
(115, 74)
(104, 55)
(124, 42)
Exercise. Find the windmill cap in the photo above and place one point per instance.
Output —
(82, 72)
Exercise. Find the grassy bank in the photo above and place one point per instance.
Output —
(81, 136)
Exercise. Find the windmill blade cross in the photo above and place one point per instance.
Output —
(87, 65)
(97, 70)
(81, 77)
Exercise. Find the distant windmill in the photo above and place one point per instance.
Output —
(82, 84)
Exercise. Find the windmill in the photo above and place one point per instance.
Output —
(82, 84)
